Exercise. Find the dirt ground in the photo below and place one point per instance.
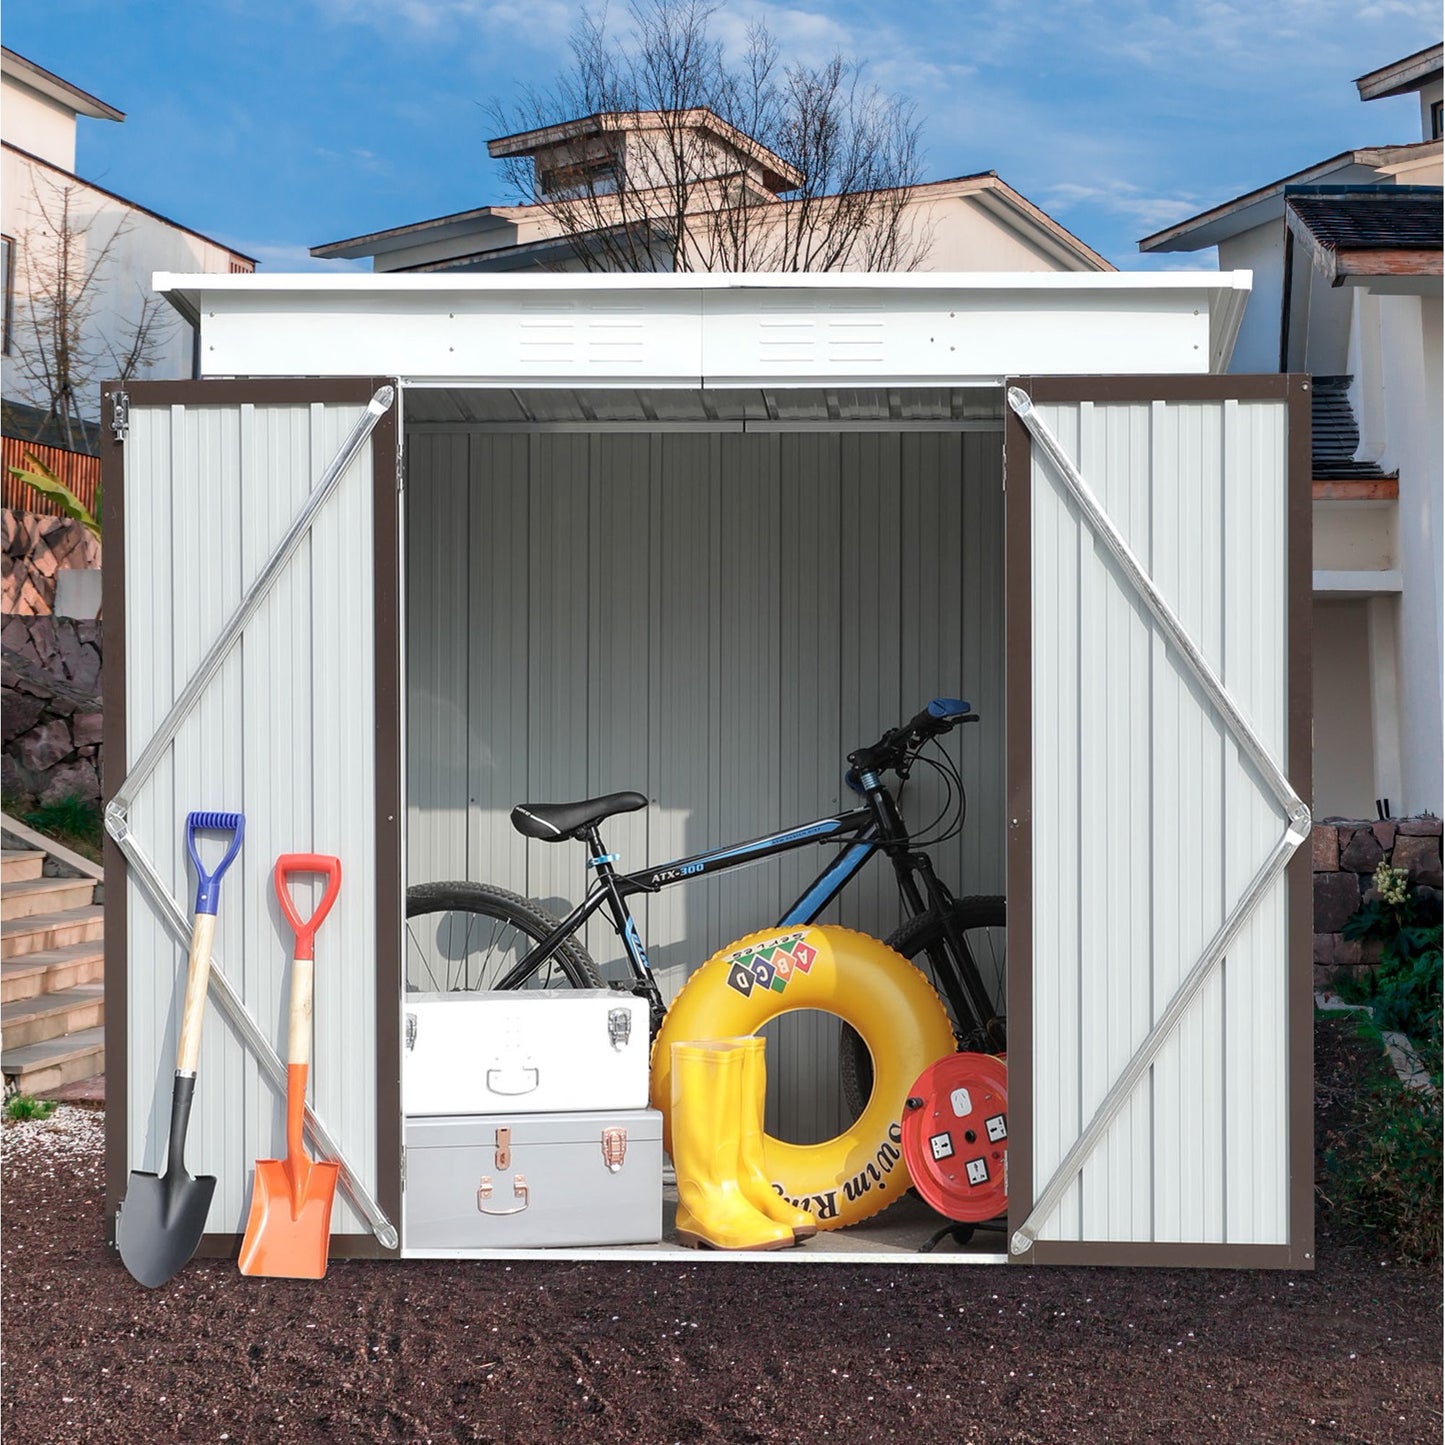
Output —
(697, 1351)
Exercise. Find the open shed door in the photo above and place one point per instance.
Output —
(252, 665)
(1158, 593)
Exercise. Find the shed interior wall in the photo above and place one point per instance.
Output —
(712, 616)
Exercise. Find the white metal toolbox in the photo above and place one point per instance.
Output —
(524, 1052)
(527, 1181)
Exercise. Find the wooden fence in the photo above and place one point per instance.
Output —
(79, 472)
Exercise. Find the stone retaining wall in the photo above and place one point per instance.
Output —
(1346, 854)
(50, 672)
(35, 547)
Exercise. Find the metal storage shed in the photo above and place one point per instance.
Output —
(376, 464)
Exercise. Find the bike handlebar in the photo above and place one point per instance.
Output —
(942, 715)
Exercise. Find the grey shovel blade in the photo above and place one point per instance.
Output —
(160, 1223)
(162, 1217)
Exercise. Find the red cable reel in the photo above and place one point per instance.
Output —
(955, 1136)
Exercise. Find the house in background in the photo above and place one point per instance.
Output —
(1346, 258)
(972, 223)
(113, 246)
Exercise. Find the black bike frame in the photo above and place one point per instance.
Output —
(878, 827)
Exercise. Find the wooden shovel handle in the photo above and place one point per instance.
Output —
(198, 978)
(298, 1036)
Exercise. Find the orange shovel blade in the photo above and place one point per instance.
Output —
(288, 1235)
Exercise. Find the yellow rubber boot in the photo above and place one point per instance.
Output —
(706, 1117)
(752, 1170)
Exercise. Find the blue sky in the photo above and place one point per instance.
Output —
(276, 125)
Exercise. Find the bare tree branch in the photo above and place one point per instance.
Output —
(60, 350)
(666, 153)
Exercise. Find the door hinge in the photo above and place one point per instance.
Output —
(403, 1171)
(120, 415)
(411, 1031)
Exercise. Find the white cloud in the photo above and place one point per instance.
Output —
(1121, 198)
(543, 25)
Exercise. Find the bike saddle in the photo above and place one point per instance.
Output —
(551, 822)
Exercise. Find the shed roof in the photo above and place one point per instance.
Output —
(714, 329)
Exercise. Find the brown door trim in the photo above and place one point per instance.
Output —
(387, 884)
(1294, 390)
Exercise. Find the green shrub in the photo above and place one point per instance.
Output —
(22, 1106)
(1405, 989)
(1385, 1171)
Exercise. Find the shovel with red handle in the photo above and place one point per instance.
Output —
(288, 1233)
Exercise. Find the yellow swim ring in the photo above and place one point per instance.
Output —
(858, 979)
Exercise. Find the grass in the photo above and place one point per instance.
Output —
(73, 821)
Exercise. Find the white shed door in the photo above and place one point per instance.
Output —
(1159, 928)
(251, 582)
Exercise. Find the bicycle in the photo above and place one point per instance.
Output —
(471, 936)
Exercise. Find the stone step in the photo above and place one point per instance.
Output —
(41, 932)
(49, 1015)
(45, 895)
(18, 864)
(50, 971)
(39, 1069)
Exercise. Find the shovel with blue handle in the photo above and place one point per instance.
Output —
(162, 1217)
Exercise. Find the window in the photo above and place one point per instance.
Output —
(1435, 118)
(7, 264)
(584, 178)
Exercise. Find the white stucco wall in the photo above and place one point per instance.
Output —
(1411, 387)
(37, 124)
(143, 244)
(967, 237)
(1344, 763)
(1260, 250)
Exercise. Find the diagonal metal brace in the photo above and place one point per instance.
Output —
(1296, 812)
(165, 734)
(117, 819)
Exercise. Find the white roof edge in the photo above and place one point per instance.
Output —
(363, 283)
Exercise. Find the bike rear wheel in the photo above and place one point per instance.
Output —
(462, 937)
(981, 923)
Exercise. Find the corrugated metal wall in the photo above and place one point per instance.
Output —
(283, 734)
(1148, 827)
(714, 619)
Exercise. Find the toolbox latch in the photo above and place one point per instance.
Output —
(614, 1147)
(619, 1026)
(504, 1148)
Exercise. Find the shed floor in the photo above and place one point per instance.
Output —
(902, 1230)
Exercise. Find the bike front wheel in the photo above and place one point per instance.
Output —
(981, 921)
(462, 937)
